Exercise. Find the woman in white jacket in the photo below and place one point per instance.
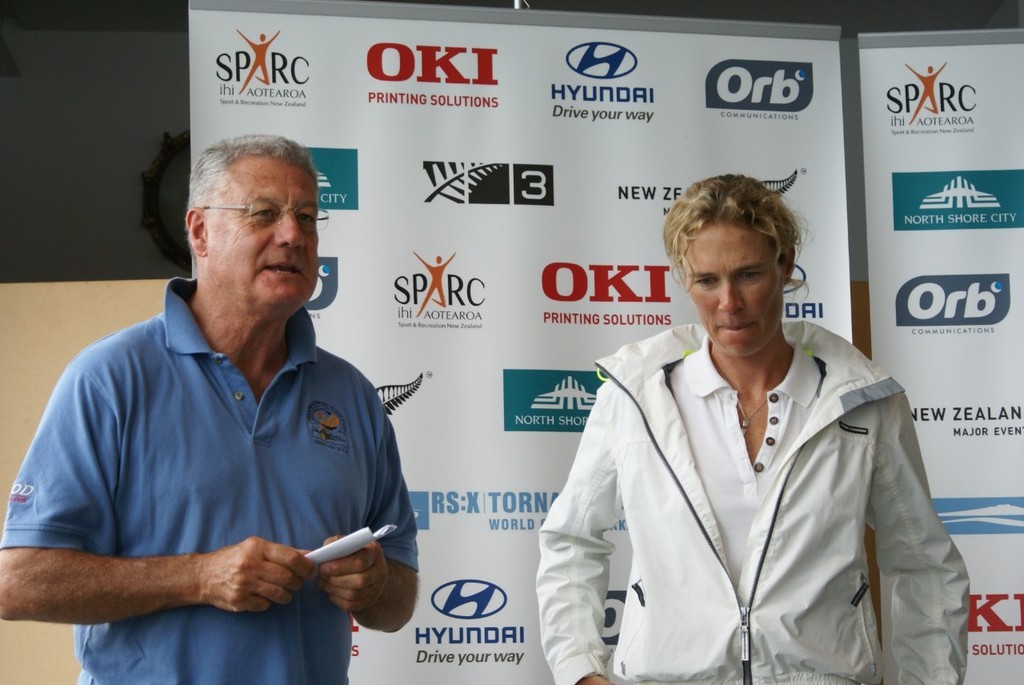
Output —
(746, 456)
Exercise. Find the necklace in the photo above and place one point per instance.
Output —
(745, 423)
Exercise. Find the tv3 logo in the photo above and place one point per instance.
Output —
(491, 183)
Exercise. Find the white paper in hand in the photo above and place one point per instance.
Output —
(348, 544)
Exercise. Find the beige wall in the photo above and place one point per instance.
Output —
(43, 326)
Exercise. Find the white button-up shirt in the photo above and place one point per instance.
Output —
(735, 487)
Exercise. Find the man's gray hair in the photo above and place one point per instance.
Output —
(209, 169)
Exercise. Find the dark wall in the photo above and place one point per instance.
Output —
(78, 126)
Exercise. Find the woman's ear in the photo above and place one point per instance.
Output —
(787, 261)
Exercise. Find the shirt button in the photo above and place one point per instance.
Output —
(770, 441)
(774, 397)
(239, 396)
(759, 467)
(773, 420)
(218, 359)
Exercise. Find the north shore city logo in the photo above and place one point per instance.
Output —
(258, 73)
(548, 400)
(958, 200)
(491, 183)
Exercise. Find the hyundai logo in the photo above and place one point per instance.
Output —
(469, 599)
(598, 59)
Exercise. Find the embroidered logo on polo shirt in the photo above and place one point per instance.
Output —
(327, 426)
(21, 492)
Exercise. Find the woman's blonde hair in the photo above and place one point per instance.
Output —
(729, 199)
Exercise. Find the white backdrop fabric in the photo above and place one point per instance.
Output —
(497, 181)
(944, 177)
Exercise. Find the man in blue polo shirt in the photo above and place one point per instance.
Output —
(185, 465)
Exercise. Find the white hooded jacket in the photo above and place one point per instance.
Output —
(801, 614)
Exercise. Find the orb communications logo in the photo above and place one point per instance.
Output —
(957, 302)
(265, 72)
(326, 285)
(759, 89)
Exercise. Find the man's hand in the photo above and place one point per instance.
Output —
(252, 574)
(355, 582)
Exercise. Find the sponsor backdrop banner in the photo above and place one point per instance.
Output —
(944, 176)
(497, 181)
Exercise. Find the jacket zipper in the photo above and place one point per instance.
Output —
(744, 609)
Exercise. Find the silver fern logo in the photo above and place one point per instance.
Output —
(490, 183)
(782, 185)
(394, 396)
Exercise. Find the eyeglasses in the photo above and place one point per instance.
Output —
(266, 213)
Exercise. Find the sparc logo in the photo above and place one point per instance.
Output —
(759, 85)
(280, 75)
(440, 289)
(930, 94)
(491, 183)
(326, 285)
(601, 60)
(337, 177)
(468, 599)
(431, 64)
(950, 300)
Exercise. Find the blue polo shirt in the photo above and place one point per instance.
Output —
(152, 444)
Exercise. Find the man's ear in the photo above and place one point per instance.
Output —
(195, 228)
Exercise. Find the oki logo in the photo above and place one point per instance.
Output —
(431, 64)
(996, 614)
(568, 282)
